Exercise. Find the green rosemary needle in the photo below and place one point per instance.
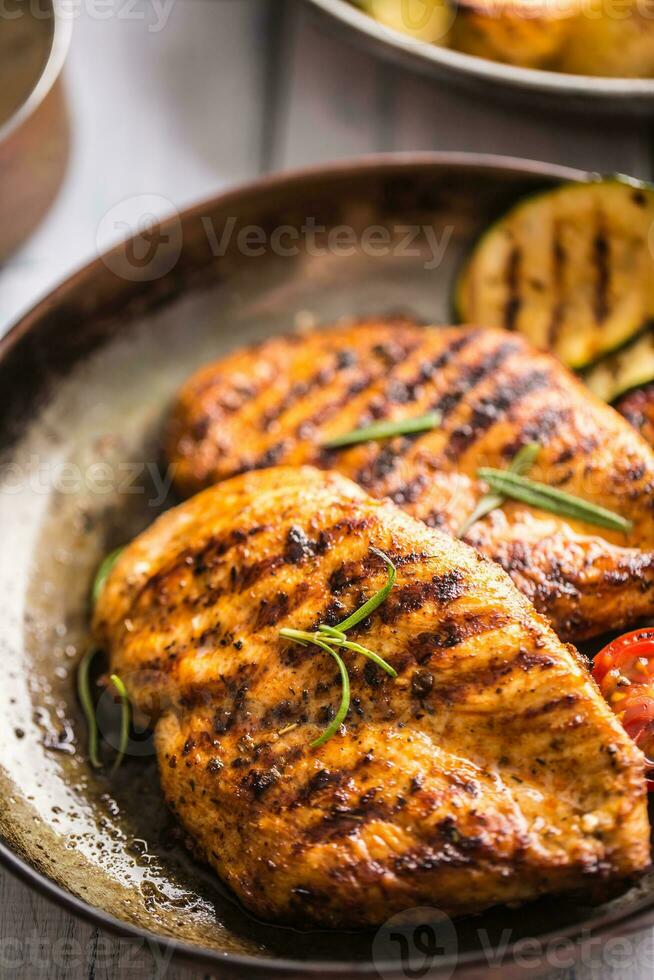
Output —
(551, 499)
(344, 706)
(86, 700)
(385, 430)
(521, 463)
(103, 572)
(334, 638)
(124, 720)
(375, 601)
(88, 707)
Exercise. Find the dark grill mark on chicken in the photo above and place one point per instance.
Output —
(492, 408)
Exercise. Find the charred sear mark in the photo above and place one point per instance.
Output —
(549, 707)
(512, 276)
(301, 389)
(446, 854)
(383, 464)
(547, 423)
(339, 531)
(199, 562)
(411, 492)
(392, 352)
(471, 375)
(452, 632)
(258, 781)
(271, 610)
(316, 786)
(469, 683)
(331, 408)
(272, 456)
(345, 576)
(406, 390)
(494, 407)
(345, 819)
(298, 546)
(440, 589)
(245, 576)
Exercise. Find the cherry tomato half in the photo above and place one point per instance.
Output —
(624, 671)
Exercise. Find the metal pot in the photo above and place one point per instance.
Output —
(34, 139)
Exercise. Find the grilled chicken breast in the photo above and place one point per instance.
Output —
(638, 408)
(279, 401)
(489, 770)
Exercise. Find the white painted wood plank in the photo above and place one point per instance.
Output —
(39, 941)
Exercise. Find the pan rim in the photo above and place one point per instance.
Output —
(409, 162)
(408, 159)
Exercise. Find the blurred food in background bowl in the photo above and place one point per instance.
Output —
(607, 38)
(561, 55)
(34, 39)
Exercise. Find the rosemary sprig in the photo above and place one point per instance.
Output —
(551, 499)
(124, 720)
(84, 678)
(385, 430)
(103, 572)
(334, 638)
(521, 463)
(86, 700)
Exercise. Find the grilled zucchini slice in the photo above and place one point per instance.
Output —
(630, 367)
(531, 33)
(571, 268)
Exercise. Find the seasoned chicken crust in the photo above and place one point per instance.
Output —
(279, 401)
(489, 771)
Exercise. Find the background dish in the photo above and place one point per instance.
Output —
(84, 380)
(553, 90)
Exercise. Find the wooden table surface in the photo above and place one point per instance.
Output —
(176, 100)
